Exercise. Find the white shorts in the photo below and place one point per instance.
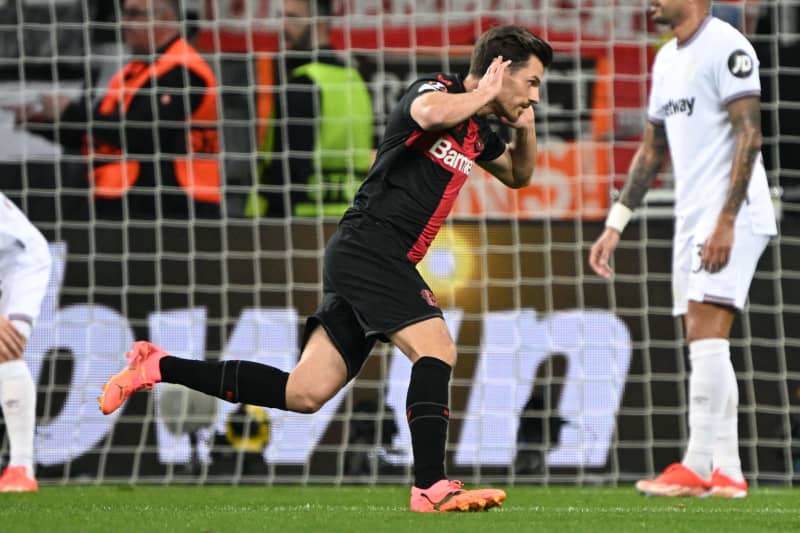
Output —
(730, 285)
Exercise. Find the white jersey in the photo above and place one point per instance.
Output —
(692, 84)
(24, 265)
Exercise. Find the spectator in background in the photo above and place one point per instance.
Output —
(328, 133)
(151, 142)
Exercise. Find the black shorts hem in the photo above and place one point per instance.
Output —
(383, 334)
(311, 324)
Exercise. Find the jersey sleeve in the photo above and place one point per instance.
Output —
(24, 265)
(418, 88)
(737, 69)
(494, 145)
(655, 110)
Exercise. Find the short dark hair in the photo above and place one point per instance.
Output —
(324, 8)
(512, 42)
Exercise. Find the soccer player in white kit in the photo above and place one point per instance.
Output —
(24, 273)
(704, 107)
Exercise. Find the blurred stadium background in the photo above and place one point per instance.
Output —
(585, 381)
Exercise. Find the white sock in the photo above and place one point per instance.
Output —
(726, 446)
(707, 396)
(18, 401)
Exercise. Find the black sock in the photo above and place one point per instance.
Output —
(234, 381)
(428, 413)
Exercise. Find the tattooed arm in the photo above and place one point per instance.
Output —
(745, 117)
(644, 168)
(645, 165)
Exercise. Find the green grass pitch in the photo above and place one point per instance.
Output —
(284, 509)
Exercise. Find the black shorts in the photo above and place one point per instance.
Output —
(370, 290)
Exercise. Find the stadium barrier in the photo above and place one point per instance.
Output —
(564, 378)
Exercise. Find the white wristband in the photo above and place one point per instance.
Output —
(618, 217)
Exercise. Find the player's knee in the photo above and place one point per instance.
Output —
(704, 324)
(307, 408)
(449, 355)
(307, 403)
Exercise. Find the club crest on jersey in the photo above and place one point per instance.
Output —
(451, 158)
(444, 80)
(740, 64)
(429, 297)
(681, 105)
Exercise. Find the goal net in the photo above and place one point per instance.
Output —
(562, 377)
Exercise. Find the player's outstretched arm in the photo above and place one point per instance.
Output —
(645, 165)
(436, 110)
(745, 117)
(643, 170)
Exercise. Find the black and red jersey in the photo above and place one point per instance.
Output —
(417, 174)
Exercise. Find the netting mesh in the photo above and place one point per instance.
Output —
(561, 376)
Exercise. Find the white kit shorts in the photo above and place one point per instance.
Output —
(730, 285)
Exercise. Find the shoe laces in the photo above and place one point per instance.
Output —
(454, 488)
(135, 355)
(136, 358)
(455, 484)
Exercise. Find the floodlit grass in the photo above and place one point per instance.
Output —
(283, 509)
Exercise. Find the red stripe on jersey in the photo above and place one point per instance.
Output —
(425, 239)
(458, 158)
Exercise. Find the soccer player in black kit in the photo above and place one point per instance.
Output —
(372, 289)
